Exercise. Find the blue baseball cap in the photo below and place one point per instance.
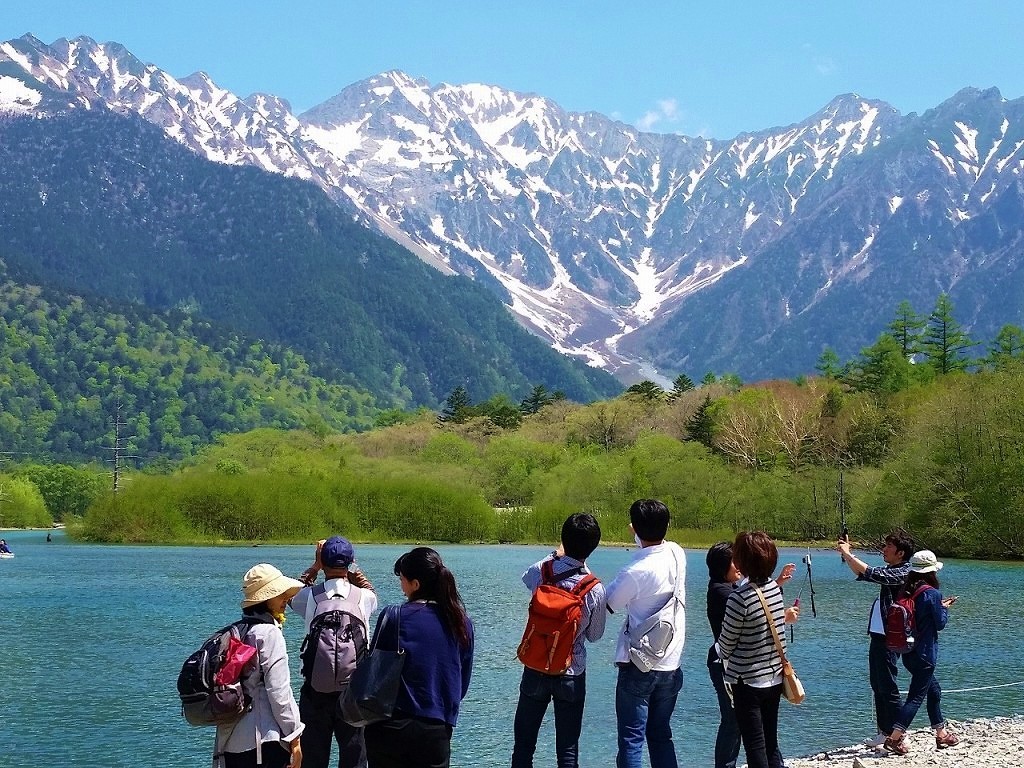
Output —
(337, 552)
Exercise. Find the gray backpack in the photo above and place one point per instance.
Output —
(336, 640)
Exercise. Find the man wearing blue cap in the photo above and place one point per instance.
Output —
(344, 596)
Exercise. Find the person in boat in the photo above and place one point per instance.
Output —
(4, 549)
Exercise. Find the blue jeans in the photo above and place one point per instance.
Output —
(757, 715)
(727, 743)
(922, 684)
(535, 691)
(882, 671)
(644, 702)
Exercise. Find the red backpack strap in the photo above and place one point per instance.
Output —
(921, 589)
(585, 584)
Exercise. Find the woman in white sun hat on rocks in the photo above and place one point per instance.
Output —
(930, 615)
(268, 734)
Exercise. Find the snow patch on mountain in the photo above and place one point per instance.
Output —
(593, 229)
(15, 96)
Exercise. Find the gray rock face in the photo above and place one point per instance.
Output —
(746, 255)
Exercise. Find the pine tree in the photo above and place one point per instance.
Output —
(700, 427)
(1007, 347)
(944, 341)
(682, 383)
(828, 364)
(881, 368)
(457, 407)
(647, 390)
(906, 328)
(537, 399)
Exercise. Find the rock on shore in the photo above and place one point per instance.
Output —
(991, 743)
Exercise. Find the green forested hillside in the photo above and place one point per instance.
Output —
(67, 365)
(106, 205)
(943, 457)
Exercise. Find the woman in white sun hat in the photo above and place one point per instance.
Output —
(268, 734)
(930, 615)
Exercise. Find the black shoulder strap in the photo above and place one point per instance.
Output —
(391, 615)
(547, 573)
(246, 623)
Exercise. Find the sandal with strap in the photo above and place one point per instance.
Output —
(949, 740)
(896, 746)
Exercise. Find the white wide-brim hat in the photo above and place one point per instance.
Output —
(925, 562)
(263, 582)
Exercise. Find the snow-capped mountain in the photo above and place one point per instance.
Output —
(623, 246)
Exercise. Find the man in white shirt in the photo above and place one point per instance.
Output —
(319, 710)
(645, 695)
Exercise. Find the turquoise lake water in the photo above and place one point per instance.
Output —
(93, 637)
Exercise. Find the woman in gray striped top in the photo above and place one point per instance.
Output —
(753, 668)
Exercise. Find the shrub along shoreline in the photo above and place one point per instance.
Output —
(943, 459)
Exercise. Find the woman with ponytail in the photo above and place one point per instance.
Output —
(437, 637)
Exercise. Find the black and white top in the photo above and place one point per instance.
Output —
(746, 645)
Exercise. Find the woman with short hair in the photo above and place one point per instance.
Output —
(746, 646)
(437, 637)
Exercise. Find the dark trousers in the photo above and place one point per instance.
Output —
(757, 715)
(535, 691)
(408, 742)
(274, 756)
(319, 712)
(922, 685)
(727, 743)
(882, 671)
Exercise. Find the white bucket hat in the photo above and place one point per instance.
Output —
(925, 562)
(264, 581)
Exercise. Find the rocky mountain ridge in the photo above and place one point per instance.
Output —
(637, 251)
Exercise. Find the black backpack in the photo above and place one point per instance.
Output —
(336, 641)
(204, 702)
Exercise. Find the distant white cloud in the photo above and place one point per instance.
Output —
(666, 111)
(823, 64)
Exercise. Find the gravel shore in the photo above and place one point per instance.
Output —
(991, 743)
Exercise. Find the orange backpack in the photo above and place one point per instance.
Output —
(553, 621)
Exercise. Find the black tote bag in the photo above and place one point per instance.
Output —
(373, 688)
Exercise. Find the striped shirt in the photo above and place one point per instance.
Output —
(746, 644)
(592, 622)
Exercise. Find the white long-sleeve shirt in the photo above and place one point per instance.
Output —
(275, 714)
(640, 590)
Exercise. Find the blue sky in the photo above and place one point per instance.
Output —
(716, 68)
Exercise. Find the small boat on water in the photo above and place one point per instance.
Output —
(6, 555)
